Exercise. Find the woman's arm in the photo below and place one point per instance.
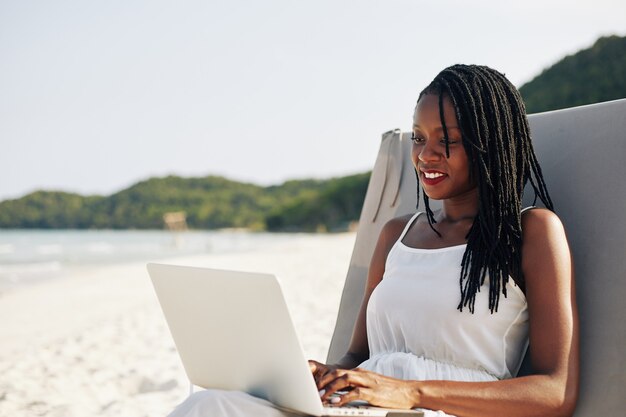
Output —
(551, 391)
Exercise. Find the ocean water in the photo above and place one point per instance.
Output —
(29, 256)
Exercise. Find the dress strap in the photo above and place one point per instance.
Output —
(527, 208)
(409, 224)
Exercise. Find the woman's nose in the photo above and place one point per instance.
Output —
(428, 153)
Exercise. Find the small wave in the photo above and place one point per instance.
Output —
(31, 268)
(7, 249)
(100, 247)
(25, 272)
(52, 249)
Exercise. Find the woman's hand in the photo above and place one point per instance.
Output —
(359, 384)
(319, 369)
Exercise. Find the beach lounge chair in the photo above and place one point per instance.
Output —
(583, 155)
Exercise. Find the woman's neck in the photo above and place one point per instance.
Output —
(459, 209)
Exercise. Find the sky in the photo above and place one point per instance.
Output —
(97, 95)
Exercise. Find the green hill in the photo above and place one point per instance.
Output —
(209, 202)
(589, 76)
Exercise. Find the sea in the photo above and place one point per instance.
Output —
(30, 256)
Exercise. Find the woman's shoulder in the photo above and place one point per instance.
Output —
(392, 230)
(544, 241)
(396, 225)
(539, 222)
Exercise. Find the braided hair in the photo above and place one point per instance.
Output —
(496, 137)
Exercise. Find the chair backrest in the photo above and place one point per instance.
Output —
(582, 152)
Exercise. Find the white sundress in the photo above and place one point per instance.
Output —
(416, 332)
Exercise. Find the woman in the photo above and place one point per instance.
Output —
(453, 296)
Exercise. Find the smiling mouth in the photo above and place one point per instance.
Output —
(433, 175)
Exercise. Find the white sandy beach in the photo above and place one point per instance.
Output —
(95, 342)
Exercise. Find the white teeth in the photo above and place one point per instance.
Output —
(432, 175)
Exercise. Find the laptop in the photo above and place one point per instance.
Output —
(233, 331)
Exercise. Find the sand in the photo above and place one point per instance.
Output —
(94, 342)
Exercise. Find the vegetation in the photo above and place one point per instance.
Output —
(590, 76)
(333, 206)
(210, 203)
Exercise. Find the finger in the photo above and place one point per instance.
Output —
(331, 389)
(330, 376)
(352, 378)
(314, 366)
(349, 381)
(318, 370)
(341, 383)
(356, 394)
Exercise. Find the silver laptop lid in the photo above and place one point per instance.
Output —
(233, 331)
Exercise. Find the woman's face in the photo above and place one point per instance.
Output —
(442, 178)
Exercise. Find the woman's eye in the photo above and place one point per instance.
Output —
(450, 141)
(416, 139)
